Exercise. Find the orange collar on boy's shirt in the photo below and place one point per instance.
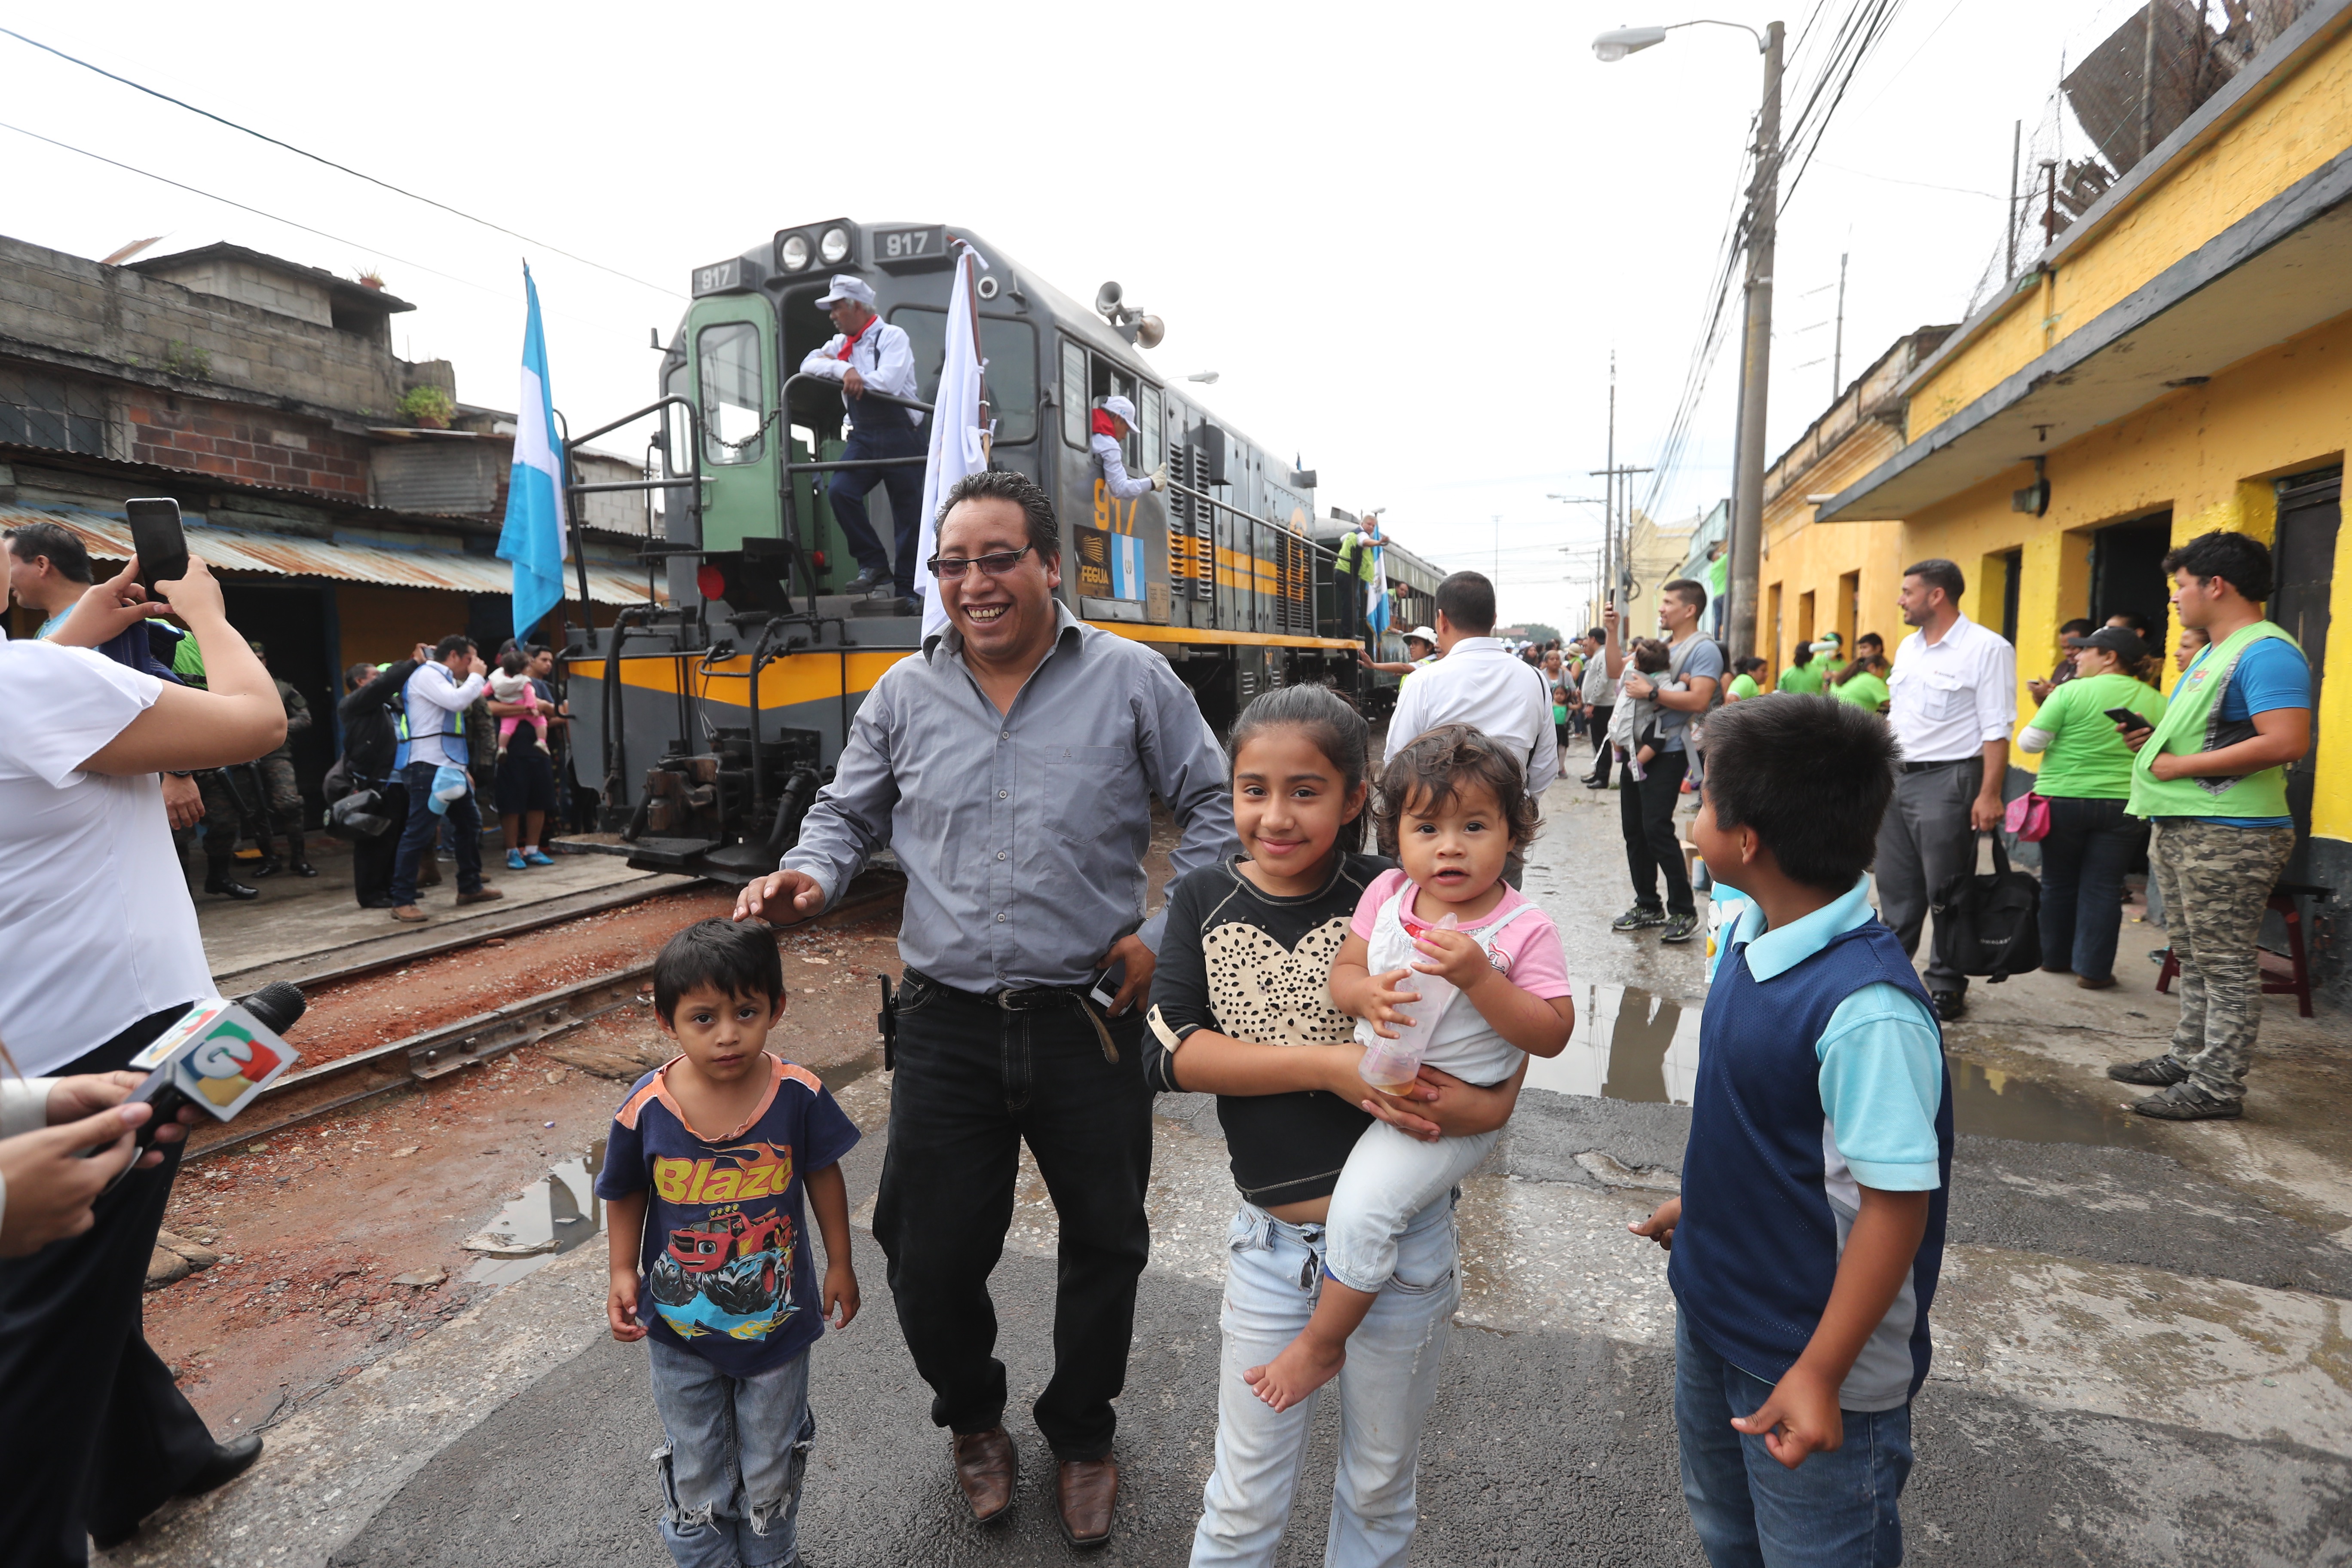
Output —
(657, 1088)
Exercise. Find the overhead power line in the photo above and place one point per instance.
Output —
(340, 168)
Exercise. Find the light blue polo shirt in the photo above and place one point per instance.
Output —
(1882, 1057)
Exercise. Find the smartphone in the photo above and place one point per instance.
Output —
(160, 541)
(2126, 718)
(1106, 991)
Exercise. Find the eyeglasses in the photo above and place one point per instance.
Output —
(950, 569)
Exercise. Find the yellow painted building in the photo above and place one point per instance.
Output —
(1818, 579)
(2179, 361)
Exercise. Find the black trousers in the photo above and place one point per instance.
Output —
(1601, 755)
(372, 858)
(1646, 809)
(974, 1080)
(94, 1436)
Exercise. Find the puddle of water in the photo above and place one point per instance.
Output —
(552, 1216)
(1628, 1045)
(841, 1075)
(1991, 1103)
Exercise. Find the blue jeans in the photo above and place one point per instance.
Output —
(730, 1472)
(2092, 843)
(1273, 1276)
(465, 820)
(1752, 1511)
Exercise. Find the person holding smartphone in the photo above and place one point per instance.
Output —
(2086, 776)
(104, 953)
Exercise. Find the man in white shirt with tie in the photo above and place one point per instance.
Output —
(1478, 682)
(867, 354)
(1951, 700)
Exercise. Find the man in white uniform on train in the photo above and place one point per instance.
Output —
(867, 354)
(1111, 423)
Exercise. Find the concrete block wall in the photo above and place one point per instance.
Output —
(111, 314)
(279, 292)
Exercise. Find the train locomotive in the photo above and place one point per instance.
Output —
(715, 716)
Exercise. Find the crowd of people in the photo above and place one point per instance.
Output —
(1364, 1015)
(249, 816)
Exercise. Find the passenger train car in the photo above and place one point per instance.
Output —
(718, 716)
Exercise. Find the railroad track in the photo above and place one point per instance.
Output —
(419, 1059)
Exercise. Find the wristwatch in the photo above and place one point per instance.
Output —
(180, 773)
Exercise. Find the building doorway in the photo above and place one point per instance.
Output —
(292, 623)
(2303, 559)
(2127, 570)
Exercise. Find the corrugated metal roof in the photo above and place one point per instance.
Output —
(290, 556)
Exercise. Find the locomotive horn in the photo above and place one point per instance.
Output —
(1148, 330)
(1106, 299)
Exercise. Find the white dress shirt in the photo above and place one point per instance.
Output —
(1114, 468)
(1947, 698)
(1482, 684)
(432, 696)
(882, 357)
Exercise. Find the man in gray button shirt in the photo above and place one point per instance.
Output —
(1011, 767)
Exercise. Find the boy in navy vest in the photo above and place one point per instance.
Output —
(1810, 1231)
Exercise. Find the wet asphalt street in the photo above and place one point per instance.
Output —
(2140, 1358)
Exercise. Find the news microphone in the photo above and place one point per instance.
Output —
(218, 1057)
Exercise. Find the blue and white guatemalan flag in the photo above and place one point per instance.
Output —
(535, 538)
(1376, 594)
(1126, 567)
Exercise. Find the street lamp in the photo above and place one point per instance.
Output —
(1755, 362)
(1205, 377)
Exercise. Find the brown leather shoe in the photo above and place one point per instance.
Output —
(480, 896)
(985, 1465)
(410, 914)
(1086, 1489)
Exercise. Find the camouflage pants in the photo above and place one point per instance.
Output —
(2215, 881)
(227, 806)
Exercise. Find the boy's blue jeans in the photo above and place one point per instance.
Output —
(731, 1473)
(1752, 1511)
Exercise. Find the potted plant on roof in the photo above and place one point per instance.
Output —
(427, 407)
(371, 278)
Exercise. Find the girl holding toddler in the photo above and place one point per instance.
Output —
(1243, 1009)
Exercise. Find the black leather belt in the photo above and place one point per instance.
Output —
(1032, 999)
(1946, 763)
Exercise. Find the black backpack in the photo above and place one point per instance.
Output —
(1989, 923)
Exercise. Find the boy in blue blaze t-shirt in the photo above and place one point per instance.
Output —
(1810, 1231)
(720, 1145)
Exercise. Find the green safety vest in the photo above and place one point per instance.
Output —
(1355, 556)
(2193, 724)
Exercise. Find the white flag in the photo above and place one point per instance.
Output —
(958, 443)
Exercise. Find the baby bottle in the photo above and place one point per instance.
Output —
(1390, 1064)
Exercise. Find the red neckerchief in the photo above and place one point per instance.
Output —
(1103, 425)
(852, 342)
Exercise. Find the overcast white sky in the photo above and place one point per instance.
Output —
(1408, 238)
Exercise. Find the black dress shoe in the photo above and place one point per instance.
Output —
(229, 1460)
(219, 882)
(1949, 1004)
(269, 867)
(866, 582)
(303, 868)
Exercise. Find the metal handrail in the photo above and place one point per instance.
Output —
(788, 502)
(692, 479)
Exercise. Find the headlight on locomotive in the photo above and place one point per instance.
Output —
(794, 253)
(834, 246)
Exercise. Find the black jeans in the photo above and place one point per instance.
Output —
(974, 1080)
(94, 1436)
(1601, 755)
(372, 858)
(2092, 844)
(1645, 809)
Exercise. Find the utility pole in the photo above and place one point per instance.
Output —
(1747, 503)
(1837, 340)
(2016, 149)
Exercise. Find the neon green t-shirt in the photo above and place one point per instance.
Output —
(1865, 690)
(2086, 759)
(1743, 687)
(1804, 680)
